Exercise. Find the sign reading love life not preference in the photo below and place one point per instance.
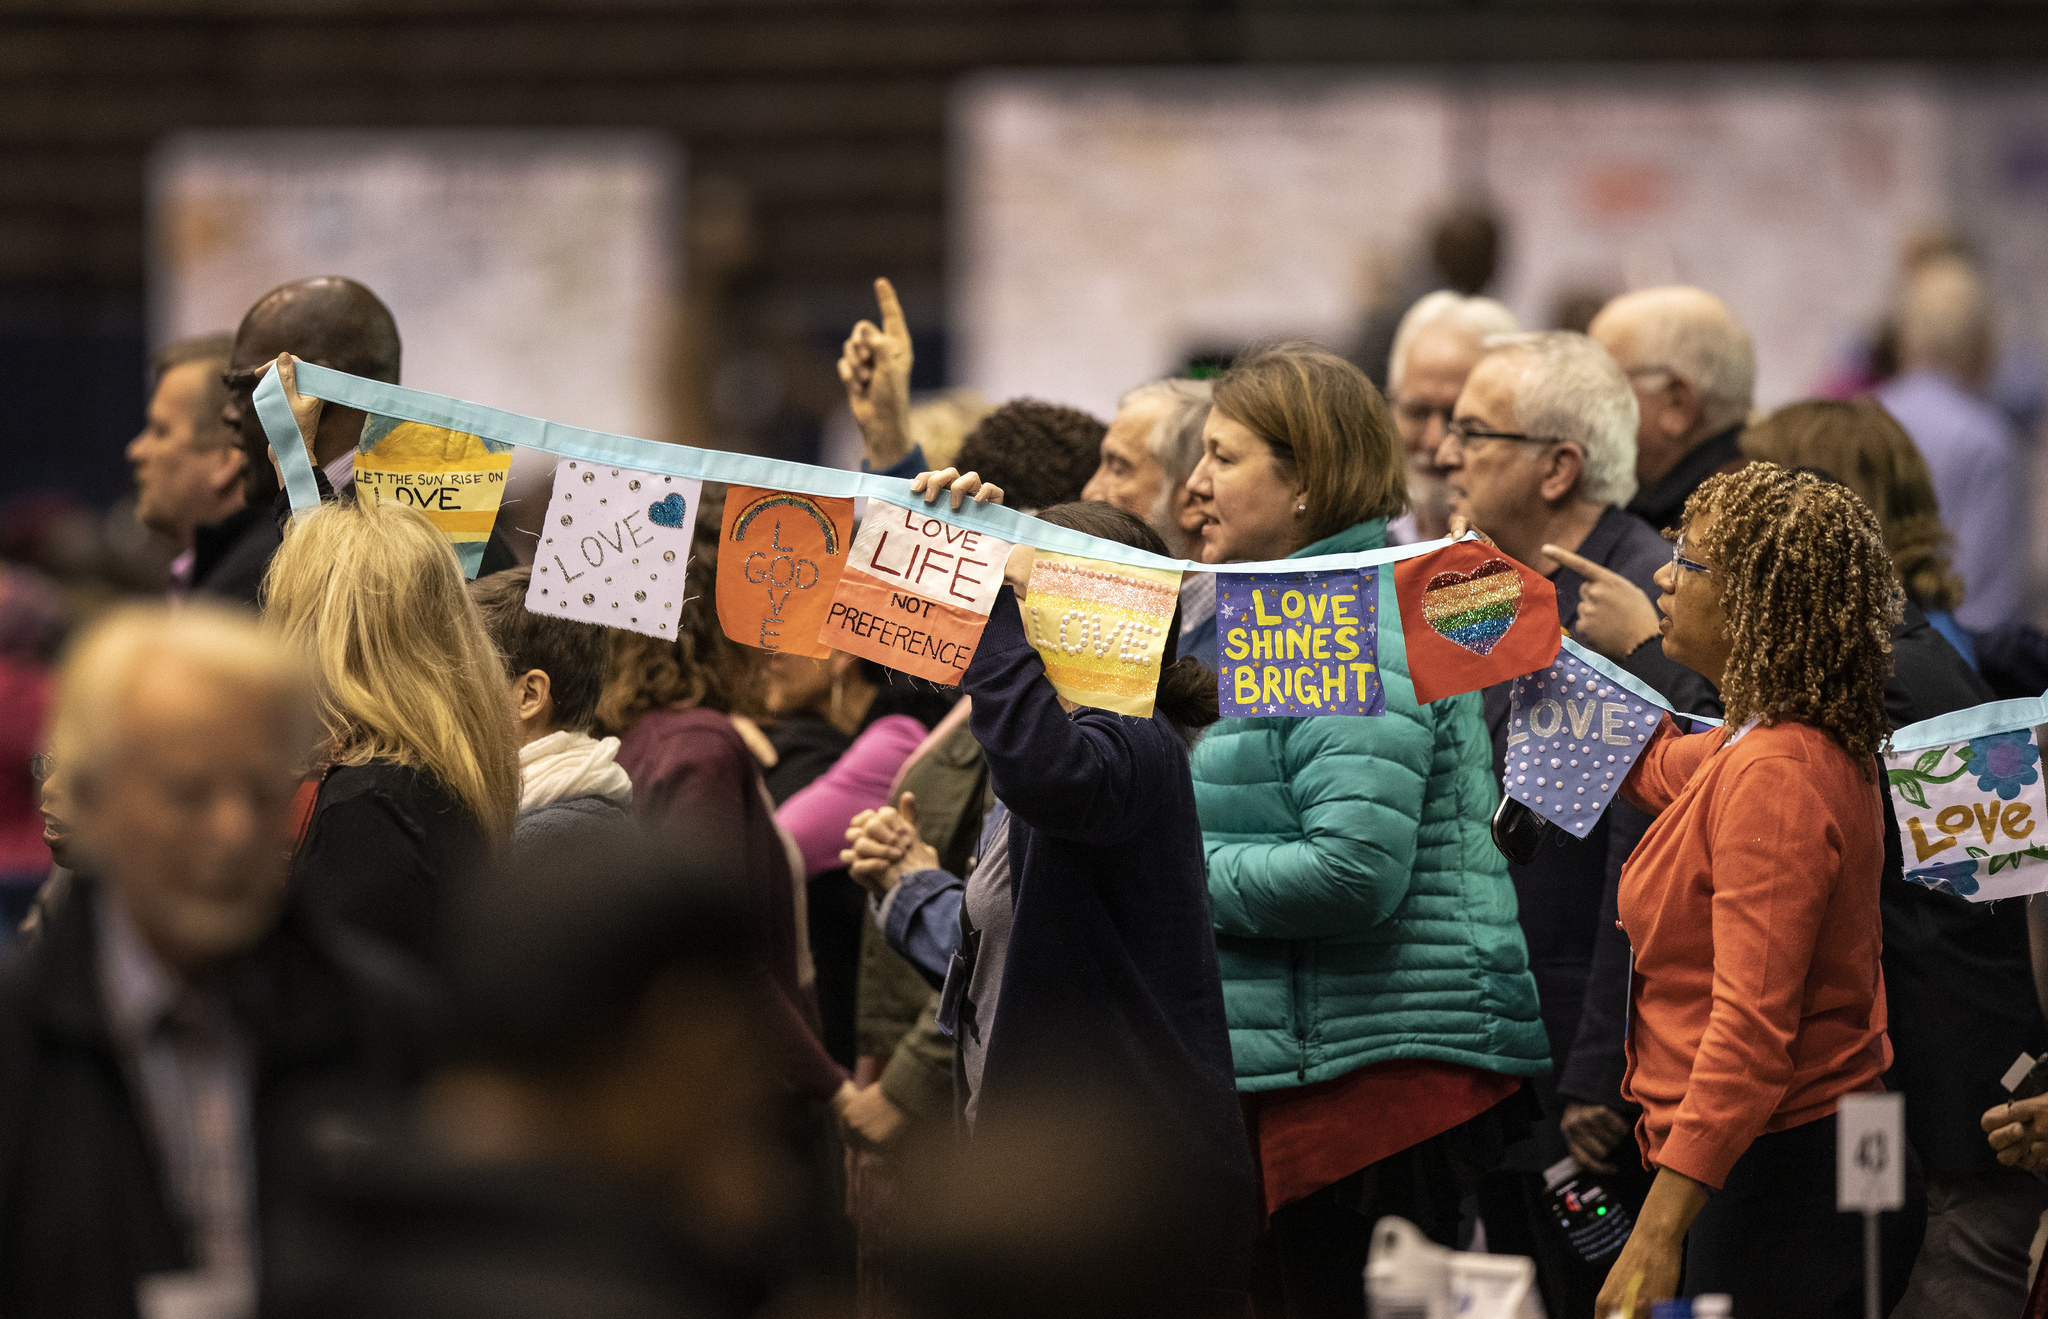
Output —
(916, 593)
(615, 548)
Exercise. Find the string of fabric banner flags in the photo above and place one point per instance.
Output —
(912, 586)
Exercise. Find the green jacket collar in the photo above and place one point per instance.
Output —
(1370, 534)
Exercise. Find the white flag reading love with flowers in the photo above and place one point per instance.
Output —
(1971, 815)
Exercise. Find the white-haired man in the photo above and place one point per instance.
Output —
(1148, 454)
(1945, 355)
(1693, 368)
(1541, 456)
(1436, 345)
(178, 1020)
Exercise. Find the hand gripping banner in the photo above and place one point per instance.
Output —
(916, 593)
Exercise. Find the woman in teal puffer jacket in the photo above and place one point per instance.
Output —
(1381, 1009)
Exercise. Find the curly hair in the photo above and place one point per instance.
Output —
(1041, 454)
(702, 666)
(1862, 446)
(1810, 598)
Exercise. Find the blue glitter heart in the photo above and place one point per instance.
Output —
(666, 512)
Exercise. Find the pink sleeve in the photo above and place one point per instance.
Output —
(858, 781)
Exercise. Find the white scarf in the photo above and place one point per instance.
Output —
(566, 764)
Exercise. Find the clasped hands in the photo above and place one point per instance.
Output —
(883, 846)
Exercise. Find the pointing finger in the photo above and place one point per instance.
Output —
(1583, 567)
(892, 311)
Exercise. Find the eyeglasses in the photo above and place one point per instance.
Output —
(1417, 412)
(1678, 559)
(1468, 433)
(1635, 371)
(41, 766)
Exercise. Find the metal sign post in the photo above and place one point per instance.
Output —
(1870, 1172)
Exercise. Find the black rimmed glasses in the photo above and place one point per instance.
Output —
(1468, 433)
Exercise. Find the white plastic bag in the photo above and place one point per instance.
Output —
(1408, 1276)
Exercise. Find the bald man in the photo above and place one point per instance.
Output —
(1693, 369)
(330, 321)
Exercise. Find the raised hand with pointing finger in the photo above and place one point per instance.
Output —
(875, 366)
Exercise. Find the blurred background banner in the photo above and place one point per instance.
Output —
(533, 271)
(1110, 226)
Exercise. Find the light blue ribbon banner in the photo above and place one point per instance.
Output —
(384, 400)
(1621, 677)
(1977, 721)
(286, 444)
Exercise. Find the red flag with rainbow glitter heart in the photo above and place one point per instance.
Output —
(1471, 617)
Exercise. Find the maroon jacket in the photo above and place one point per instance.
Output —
(693, 777)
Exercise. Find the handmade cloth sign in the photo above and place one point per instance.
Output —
(1101, 629)
(456, 479)
(1299, 644)
(1472, 617)
(1970, 814)
(615, 548)
(1573, 733)
(916, 593)
(779, 560)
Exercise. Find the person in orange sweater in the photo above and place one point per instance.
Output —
(1751, 904)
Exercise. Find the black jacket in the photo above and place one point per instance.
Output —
(398, 1231)
(1110, 985)
(84, 1212)
(1662, 502)
(383, 846)
(1958, 982)
(1566, 893)
(231, 557)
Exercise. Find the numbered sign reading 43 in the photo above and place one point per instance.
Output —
(1970, 815)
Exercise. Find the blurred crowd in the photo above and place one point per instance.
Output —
(380, 947)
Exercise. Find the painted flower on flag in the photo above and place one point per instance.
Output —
(2004, 762)
(1955, 877)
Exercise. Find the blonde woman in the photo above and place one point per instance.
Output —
(420, 771)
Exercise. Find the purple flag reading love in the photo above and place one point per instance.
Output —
(1572, 735)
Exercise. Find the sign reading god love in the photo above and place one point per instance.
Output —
(605, 557)
(1299, 644)
(779, 558)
